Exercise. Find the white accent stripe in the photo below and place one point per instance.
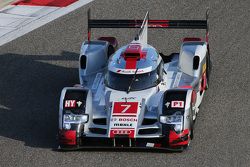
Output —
(96, 81)
(166, 67)
(177, 79)
(40, 21)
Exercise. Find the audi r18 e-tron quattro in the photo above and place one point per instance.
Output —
(134, 96)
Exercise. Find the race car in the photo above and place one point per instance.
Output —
(133, 96)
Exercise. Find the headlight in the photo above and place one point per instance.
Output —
(66, 126)
(171, 119)
(176, 120)
(70, 118)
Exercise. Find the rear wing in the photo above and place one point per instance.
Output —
(146, 23)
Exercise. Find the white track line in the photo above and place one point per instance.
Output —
(22, 30)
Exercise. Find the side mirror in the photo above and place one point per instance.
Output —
(196, 62)
(83, 62)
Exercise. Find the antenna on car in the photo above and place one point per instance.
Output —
(142, 36)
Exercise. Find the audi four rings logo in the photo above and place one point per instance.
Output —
(122, 132)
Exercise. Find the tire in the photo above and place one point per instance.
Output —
(191, 138)
(192, 125)
(191, 134)
(193, 113)
(111, 50)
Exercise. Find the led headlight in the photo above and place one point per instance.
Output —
(66, 126)
(171, 119)
(71, 118)
(175, 119)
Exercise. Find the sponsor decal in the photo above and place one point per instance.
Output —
(79, 103)
(123, 124)
(125, 108)
(124, 119)
(72, 104)
(129, 132)
(167, 104)
(128, 98)
(131, 71)
(177, 104)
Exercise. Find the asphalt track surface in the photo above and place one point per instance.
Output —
(35, 67)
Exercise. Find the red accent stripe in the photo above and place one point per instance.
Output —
(193, 99)
(89, 35)
(153, 21)
(157, 145)
(186, 87)
(56, 3)
(204, 79)
(67, 137)
(131, 63)
(175, 139)
(191, 39)
(122, 128)
(158, 23)
(124, 115)
(207, 35)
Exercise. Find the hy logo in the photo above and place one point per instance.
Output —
(72, 103)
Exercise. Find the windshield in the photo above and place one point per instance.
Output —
(122, 81)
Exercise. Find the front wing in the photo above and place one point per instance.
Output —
(171, 142)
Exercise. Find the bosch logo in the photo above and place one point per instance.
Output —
(127, 119)
(122, 132)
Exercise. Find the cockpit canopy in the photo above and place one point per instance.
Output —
(131, 59)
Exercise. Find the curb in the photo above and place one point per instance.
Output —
(18, 20)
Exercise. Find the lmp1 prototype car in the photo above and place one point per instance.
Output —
(135, 97)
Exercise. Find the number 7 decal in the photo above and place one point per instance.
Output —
(125, 108)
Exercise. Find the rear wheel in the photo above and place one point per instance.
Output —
(111, 50)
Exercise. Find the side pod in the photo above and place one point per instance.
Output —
(176, 117)
(73, 115)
